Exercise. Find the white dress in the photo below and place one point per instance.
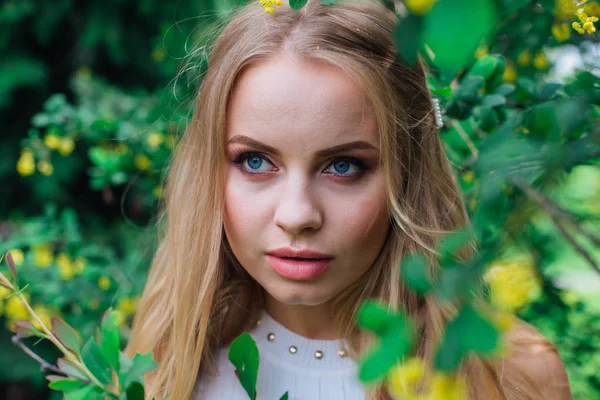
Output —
(301, 374)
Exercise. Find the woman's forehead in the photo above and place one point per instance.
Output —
(281, 95)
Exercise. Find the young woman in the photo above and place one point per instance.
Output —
(311, 165)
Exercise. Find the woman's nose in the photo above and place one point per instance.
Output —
(298, 208)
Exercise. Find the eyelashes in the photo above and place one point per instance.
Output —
(239, 156)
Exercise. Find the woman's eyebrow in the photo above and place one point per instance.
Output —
(356, 145)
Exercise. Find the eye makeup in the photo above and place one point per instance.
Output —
(239, 156)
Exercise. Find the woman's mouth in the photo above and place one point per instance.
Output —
(297, 268)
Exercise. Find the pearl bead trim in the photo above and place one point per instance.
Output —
(294, 349)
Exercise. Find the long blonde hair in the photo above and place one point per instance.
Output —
(198, 298)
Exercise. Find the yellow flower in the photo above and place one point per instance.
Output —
(592, 8)
(4, 292)
(154, 140)
(588, 23)
(44, 313)
(18, 256)
(14, 309)
(510, 73)
(446, 387)
(540, 61)
(52, 141)
(42, 255)
(403, 378)
(104, 282)
(420, 7)
(79, 264)
(473, 204)
(158, 54)
(524, 58)
(482, 51)
(513, 282)
(565, 8)
(268, 5)
(158, 192)
(126, 307)
(142, 162)
(561, 32)
(26, 163)
(45, 167)
(66, 146)
(65, 266)
(468, 176)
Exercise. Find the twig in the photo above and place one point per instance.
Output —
(45, 365)
(554, 214)
(466, 138)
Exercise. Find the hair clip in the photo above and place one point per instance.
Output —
(268, 5)
(438, 112)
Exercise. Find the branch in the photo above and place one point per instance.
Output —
(554, 213)
(45, 365)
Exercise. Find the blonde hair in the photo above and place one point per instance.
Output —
(198, 298)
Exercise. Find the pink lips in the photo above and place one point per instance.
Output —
(298, 264)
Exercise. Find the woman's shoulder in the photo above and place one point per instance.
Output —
(531, 354)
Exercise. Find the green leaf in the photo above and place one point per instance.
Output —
(468, 332)
(140, 365)
(450, 284)
(505, 89)
(284, 397)
(135, 391)
(407, 37)
(71, 368)
(493, 100)
(374, 317)
(111, 338)
(66, 334)
(243, 354)
(395, 345)
(94, 360)
(66, 385)
(490, 68)
(413, 270)
(298, 4)
(450, 244)
(328, 2)
(445, 27)
(81, 394)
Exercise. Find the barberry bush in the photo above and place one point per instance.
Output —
(96, 95)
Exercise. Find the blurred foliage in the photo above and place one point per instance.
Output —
(95, 104)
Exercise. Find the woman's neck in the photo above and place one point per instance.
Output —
(313, 322)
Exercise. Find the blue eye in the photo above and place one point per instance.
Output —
(251, 162)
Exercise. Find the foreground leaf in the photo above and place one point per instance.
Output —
(243, 353)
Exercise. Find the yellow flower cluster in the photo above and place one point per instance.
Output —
(510, 73)
(403, 380)
(561, 32)
(64, 145)
(43, 255)
(513, 282)
(126, 307)
(268, 5)
(565, 8)
(142, 162)
(420, 7)
(154, 140)
(68, 267)
(587, 23)
(17, 256)
(26, 163)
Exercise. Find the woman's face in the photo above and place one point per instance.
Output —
(286, 187)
